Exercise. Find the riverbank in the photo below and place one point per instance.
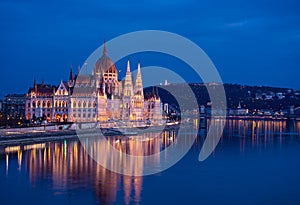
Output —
(25, 137)
(17, 136)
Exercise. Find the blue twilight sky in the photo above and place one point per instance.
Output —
(254, 42)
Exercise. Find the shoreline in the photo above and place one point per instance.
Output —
(37, 137)
(19, 136)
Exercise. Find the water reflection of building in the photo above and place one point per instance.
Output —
(261, 133)
(67, 166)
(252, 133)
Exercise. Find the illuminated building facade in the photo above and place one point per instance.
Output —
(96, 97)
(39, 101)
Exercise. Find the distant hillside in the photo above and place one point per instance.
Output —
(250, 97)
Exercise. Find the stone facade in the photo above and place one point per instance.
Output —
(96, 97)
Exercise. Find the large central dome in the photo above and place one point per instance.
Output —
(105, 64)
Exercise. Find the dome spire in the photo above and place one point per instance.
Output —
(104, 48)
(104, 64)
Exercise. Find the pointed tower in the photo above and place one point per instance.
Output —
(101, 106)
(157, 110)
(101, 97)
(138, 89)
(138, 99)
(128, 87)
(239, 106)
(71, 78)
(127, 96)
(35, 85)
(104, 48)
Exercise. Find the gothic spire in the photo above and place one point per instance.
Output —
(104, 48)
(128, 67)
(138, 82)
(35, 85)
(128, 88)
(71, 77)
(139, 68)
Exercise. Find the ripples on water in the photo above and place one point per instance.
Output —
(255, 162)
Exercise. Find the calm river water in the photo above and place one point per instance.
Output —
(255, 162)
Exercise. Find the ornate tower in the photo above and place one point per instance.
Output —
(157, 111)
(138, 99)
(127, 95)
(101, 105)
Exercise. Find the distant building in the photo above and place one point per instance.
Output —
(13, 106)
(242, 111)
(280, 95)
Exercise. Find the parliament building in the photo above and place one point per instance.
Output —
(96, 97)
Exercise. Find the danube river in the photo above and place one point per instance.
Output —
(255, 162)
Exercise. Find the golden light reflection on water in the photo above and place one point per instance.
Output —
(261, 132)
(148, 144)
(67, 165)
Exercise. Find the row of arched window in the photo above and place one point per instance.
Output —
(40, 104)
(83, 104)
(62, 103)
(62, 92)
(84, 115)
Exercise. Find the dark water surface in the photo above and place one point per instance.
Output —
(256, 162)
